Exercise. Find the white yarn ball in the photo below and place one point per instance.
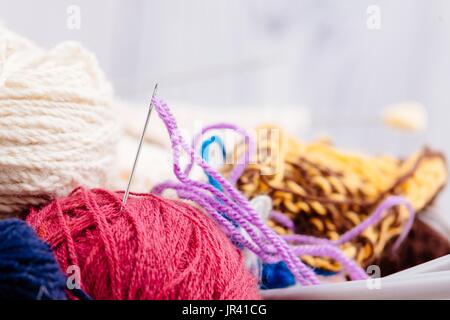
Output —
(57, 130)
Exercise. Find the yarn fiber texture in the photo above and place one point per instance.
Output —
(57, 130)
(151, 248)
(28, 269)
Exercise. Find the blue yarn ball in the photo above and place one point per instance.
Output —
(28, 269)
(276, 276)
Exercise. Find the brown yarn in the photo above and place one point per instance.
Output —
(326, 191)
(422, 244)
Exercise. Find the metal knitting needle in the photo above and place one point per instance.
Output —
(150, 108)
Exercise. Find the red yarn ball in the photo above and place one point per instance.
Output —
(153, 248)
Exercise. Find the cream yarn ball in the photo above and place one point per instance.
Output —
(57, 129)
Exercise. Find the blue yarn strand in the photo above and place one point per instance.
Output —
(205, 155)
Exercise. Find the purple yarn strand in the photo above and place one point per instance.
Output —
(377, 215)
(304, 239)
(263, 241)
(240, 167)
(374, 218)
(236, 202)
(214, 207)
(281, 219)
(326, 250)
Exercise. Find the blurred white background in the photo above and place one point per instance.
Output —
(277, 54)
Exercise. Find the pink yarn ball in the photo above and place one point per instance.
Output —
(153, 248)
